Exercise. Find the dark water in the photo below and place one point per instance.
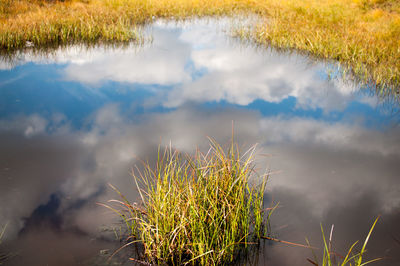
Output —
(76, 119)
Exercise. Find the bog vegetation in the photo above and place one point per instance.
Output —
(198, 209)
(207, 209)
(354, 256)
(364, 35)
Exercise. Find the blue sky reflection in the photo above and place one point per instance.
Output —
(78, 118)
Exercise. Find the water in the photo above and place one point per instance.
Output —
(78, 118)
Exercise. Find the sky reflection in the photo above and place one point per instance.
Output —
(75, 120)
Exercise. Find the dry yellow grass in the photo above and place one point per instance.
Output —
(362, 34)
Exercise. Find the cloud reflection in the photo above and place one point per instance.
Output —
(328, 169)
(151, 64)
(332, 164)
(199, 67)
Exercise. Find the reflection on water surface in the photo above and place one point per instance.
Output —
(77, 119)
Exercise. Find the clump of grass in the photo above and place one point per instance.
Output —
(197, 210)
(330, 258)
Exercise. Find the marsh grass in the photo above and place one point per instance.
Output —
(352, 256)
(197, 209)
(364, 35)
(42, 23)
(61, 23)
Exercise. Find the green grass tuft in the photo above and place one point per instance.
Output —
(330, 257)
(197, 209)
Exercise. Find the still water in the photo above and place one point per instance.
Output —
(76, 119)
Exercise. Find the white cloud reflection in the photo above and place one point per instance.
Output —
(241, 74)
(336, 136)
(150, 64)
(201, 64)
(112, 143)
(325, 165)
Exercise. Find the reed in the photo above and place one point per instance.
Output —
(330, 257)
(197, 209)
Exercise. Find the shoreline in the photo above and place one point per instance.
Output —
(364, 36)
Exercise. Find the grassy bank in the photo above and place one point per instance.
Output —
(46, 22)
(197, 210)
(362, 34)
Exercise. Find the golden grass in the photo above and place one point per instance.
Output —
(364, 35)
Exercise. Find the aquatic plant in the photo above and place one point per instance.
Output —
(197, 209)
(330, 257)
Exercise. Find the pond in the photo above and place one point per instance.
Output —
(78, 118)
